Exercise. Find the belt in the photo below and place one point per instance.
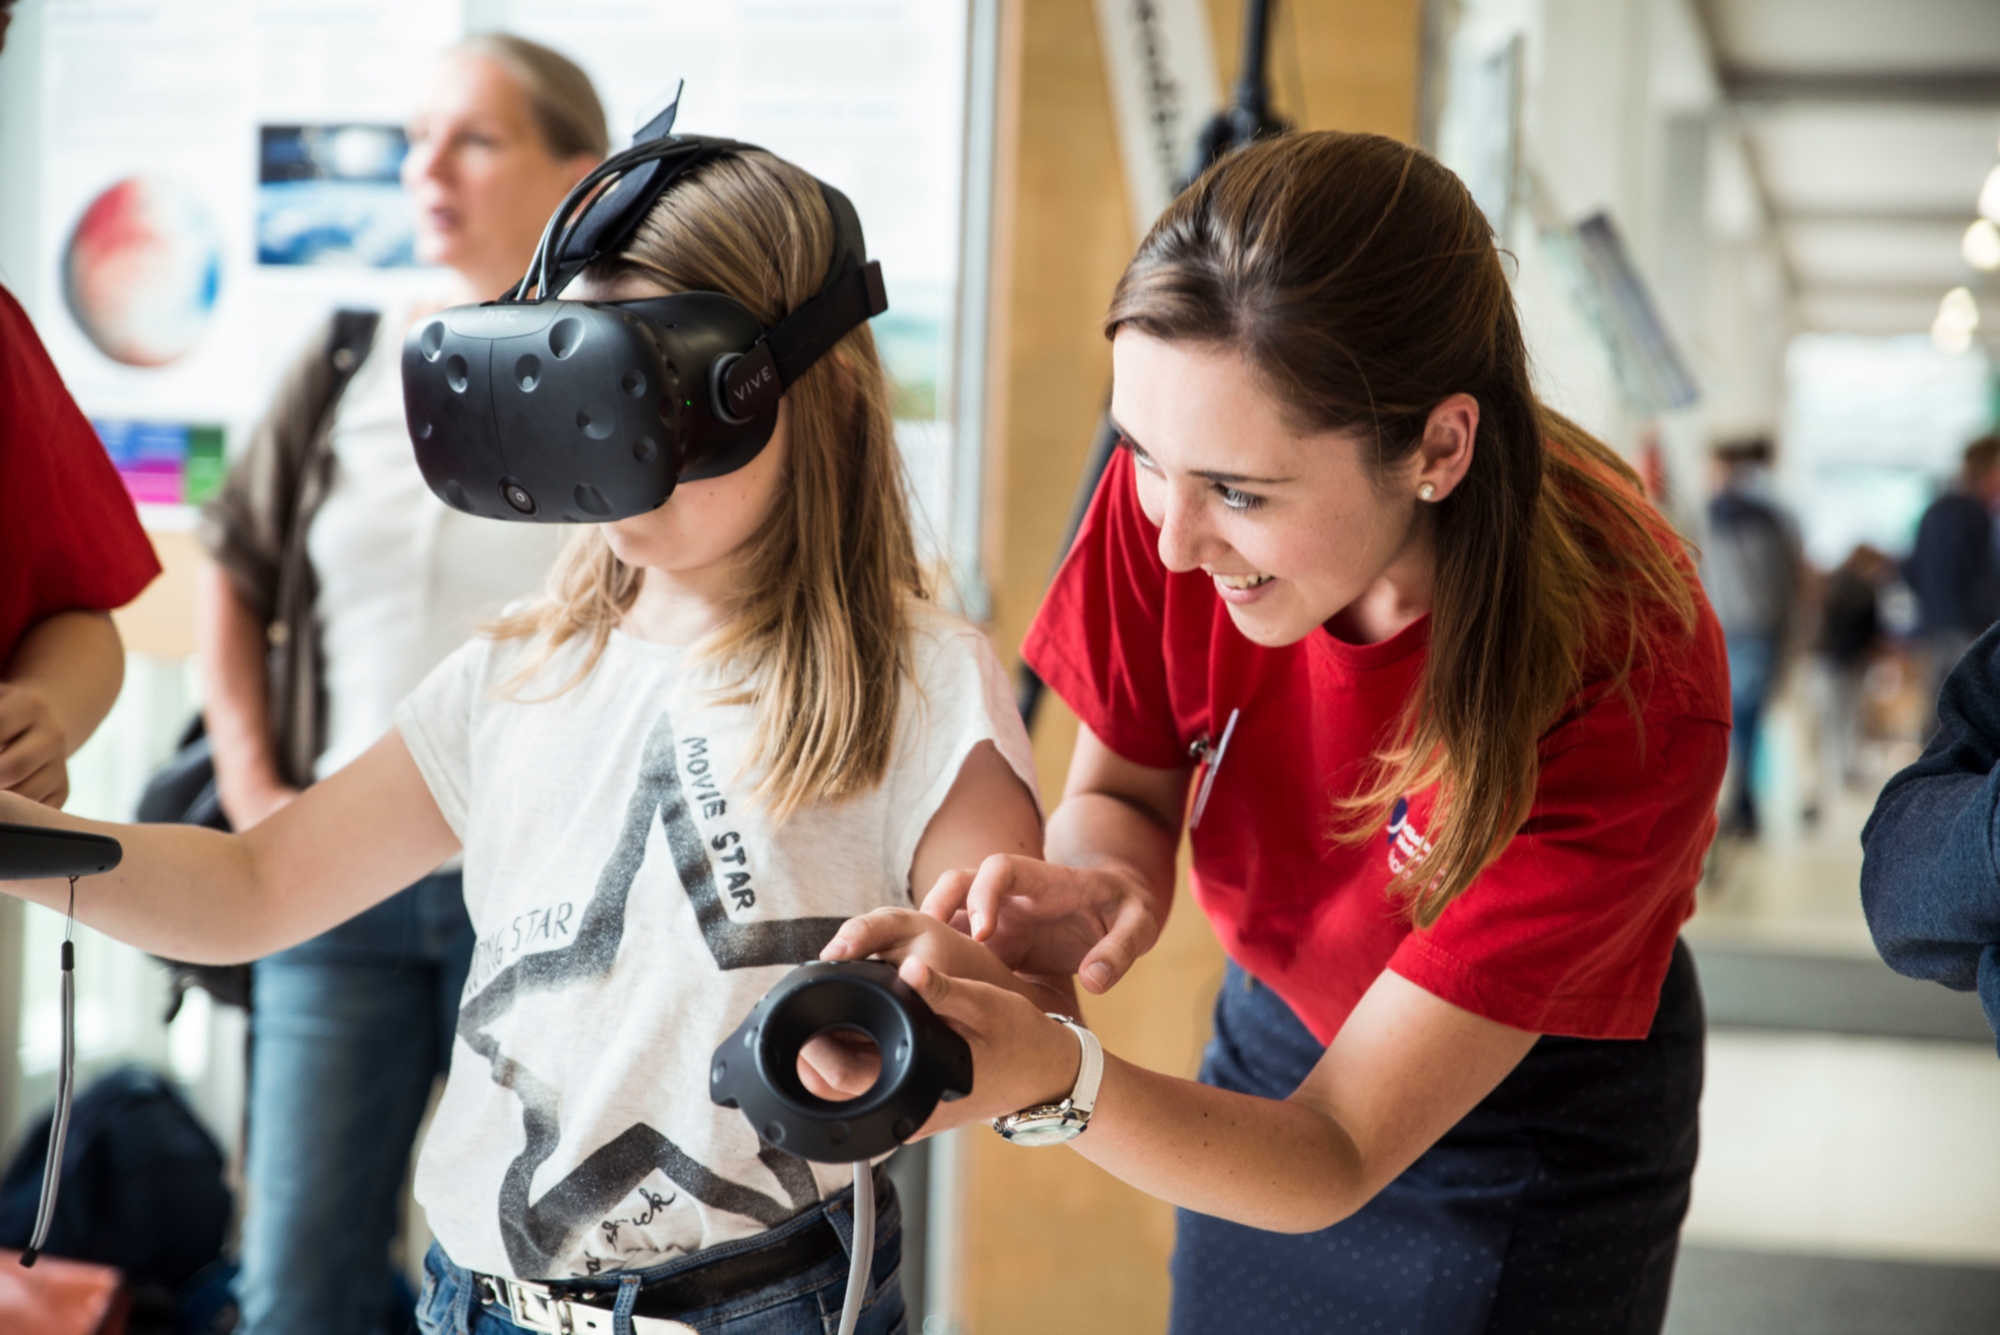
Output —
(534, 1307)
(566, 1308)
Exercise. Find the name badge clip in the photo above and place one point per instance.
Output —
(1212, 764)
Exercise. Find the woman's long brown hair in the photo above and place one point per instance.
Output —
(1359, 278)
(817, 639)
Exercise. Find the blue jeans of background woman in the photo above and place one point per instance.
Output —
(1753, 663)
(807, 1303)
(1555, 1205)
(349, 1031)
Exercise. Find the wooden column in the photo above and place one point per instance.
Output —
(1052, 1243)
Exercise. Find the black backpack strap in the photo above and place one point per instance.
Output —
(347, 346)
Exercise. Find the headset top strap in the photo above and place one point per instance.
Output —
(596, 221)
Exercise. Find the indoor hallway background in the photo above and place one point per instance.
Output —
(1791, 180)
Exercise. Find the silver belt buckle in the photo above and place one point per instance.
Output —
(534, 1308)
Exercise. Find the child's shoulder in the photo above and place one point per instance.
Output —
(943, 640)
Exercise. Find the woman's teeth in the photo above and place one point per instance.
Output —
(1243, 581)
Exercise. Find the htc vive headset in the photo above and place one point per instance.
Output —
(535, 408)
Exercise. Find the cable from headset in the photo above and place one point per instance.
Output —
(864, 1247)
(45, 1213)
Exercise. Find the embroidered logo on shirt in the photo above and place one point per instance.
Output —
(1407, 845)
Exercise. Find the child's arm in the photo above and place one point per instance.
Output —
(55, 689)
(988, 811)
(347, 843)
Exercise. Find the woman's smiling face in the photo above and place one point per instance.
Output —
(1294, 528)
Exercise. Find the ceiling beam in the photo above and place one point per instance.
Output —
(1878, 217)
(1955, 88)
(1861, 290)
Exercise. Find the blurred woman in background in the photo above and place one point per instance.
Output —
(338, 582)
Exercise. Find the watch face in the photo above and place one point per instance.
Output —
(1046, 1129)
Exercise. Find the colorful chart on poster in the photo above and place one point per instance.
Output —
(165, 463)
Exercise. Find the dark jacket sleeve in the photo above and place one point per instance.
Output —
(1929, 881)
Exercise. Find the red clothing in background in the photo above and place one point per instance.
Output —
(1569, 932)
(69, 536)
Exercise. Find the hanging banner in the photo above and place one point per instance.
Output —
(1161, 66)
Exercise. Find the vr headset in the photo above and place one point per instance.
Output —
(534, 408)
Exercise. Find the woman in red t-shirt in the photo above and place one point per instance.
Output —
(70, 548)
(1441, 705)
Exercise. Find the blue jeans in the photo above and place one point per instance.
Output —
(807, 1303)
(348, 1033)
(1753, 660)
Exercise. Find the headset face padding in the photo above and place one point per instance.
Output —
(586, 412)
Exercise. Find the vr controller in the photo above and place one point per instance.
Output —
(539, 409)
(923, 1062)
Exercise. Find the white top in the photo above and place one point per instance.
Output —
(632, 904)
(403, 578)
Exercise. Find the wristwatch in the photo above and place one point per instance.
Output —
(1055, 1123)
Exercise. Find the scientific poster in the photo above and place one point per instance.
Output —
(217, 176)
(155, 185)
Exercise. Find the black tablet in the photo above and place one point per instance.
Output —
(35, 853)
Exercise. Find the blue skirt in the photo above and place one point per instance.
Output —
(1555, 1205)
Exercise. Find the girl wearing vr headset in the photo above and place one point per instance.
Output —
(336, 582)
(731, 724)
(1443, 709)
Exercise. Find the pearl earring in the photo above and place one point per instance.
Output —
(1427, 491)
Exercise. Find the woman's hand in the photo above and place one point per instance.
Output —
(896, 935)
(1020, 1057)
(55, 688)
(1040, 918)
(835, 1066)
(34, 750)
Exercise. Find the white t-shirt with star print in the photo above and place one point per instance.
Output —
(633, 902)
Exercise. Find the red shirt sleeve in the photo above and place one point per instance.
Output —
(69, 535)
(1101, 637)
(1571, 930)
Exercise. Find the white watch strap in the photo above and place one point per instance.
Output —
(1088, 1076)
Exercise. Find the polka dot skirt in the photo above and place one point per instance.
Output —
(1554, 1206)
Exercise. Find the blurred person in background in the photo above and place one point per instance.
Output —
(1752, 570)
(338, 582)
(1850, 634)
(1952, 568)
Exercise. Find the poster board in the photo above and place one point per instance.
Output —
(216, 176)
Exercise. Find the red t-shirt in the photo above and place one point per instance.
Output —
(69, 537)
(1570, 931)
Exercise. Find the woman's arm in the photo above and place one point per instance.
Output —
(232, 647)
(1403, 1070)
(198, 895)
(57, 686)
(1099, 901)
(1929, 883)
(988, 813)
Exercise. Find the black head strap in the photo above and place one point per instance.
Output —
(590, 225)
(742, 387)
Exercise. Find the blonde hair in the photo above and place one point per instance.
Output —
(561, 98)
(817, 640)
